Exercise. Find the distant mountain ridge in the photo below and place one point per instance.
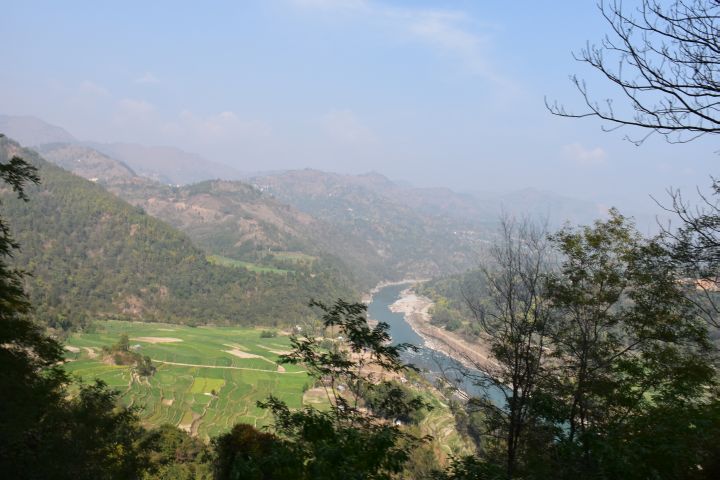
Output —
(389, 239)
(398, 222)
(379, 228)
(164, 164)
(173, 166)
(87, 163)
(31, 131)
(167, 165)
(470, 208)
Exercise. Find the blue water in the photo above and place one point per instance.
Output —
(434, 364)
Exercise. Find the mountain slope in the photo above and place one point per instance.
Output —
(167, 165)
(31, 131)
(88, 163)
(236, 220)
(164, 164)
(405, 234)
(232, 219)
(93, 255)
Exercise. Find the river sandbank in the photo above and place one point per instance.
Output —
(416, 310)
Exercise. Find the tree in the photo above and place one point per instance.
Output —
(627, 349)
(248, 454)
(170, 452)
(45, 432)
(394, 402)
(343, 441)
(145, 367)
(664, 60)
(87, 437)
(604, 363)
(695, 250)
(28, 358)
(470, 468)
(123, 345)
(513, 312)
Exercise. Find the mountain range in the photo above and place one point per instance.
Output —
(349, 230)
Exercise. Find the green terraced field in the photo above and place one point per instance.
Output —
(253, 267)
(192, 362)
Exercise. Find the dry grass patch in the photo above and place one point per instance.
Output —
(157, 339)
(276, 352)
(315, 396)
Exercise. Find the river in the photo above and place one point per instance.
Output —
(433, 363)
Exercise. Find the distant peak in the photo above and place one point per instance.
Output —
(376, 177)
(32, 131)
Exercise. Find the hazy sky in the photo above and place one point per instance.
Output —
(438, 93)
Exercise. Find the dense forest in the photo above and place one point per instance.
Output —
(90, 255)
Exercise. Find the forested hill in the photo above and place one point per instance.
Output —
(236, 220)
(93, 255)
(231, 219)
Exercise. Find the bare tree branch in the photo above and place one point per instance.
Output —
(664, 61)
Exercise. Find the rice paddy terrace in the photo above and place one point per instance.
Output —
(207, 378)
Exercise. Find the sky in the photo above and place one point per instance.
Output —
(434, 93)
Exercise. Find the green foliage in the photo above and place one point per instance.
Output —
(631, 347)
(44, 433)
(123, 345)
(248, 454)
(626, 386)
(90, 439)
(395, 402)
(470, 468)
(453, 324)
(121, 354)
(171, 453)
(253, 267)
(92, 255)
(28, 358)
(342, 441)
(450, 306)
(333, 445)
(145, 367)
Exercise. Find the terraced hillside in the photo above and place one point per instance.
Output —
(207, 379)
(210, 378)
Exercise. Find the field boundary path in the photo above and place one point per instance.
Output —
(226, 367)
